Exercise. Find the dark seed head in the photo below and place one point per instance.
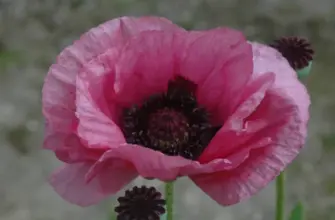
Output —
(140, 204)
(296, 50)
(172, 122)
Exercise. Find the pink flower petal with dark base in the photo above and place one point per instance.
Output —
(282, 116)
(212, 60)
(59, 90)
(141, 96)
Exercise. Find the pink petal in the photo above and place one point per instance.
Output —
(133, 26)
(96, 76)
(74, 155)
(267, 59)
(59, 87)
(284, 136)
(154, 164)
(219, 61)
(69, 182)
(145, 66)
(112, 176)
(95, 127)
(277, 138)
(68, 148)
(148, 163)
(236, 131)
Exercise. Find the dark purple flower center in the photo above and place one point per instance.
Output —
(171, 122)
(167, 128)
(297, 51)
(140, 204)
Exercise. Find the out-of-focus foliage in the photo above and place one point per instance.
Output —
(297, 212)
(33, 32)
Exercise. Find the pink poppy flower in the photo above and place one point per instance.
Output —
(143, 97)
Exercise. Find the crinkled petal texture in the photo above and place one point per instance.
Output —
(271, 132)
(248, 88)
(69, 111)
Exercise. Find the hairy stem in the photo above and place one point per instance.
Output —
(169, 200)
(280, 196)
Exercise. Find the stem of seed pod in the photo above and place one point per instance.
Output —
(169, 200)
(280, 196)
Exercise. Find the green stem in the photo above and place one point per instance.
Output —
(280, 196)
(169, 200)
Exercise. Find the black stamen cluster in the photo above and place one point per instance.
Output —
(171, 122)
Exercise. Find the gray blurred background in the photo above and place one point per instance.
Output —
(33, 32)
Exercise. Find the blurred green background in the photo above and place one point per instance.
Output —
(33, 32)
